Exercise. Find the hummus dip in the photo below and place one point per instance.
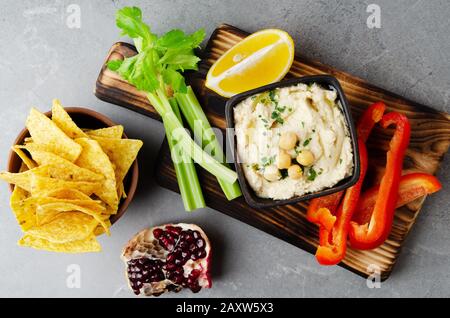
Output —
(292, 141)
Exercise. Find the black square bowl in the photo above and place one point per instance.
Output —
(325, 81)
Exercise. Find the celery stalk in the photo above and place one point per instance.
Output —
(199, 124)
(159, 64)
(188, 183)
(185, 142)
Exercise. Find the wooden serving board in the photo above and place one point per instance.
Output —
(430, 139)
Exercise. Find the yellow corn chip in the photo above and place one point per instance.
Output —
(90, 244)
(41, 185)
(62, 119)
(92, 205)
(25, 217)
(109, 132)
(69, 194)
(99, 230)
(93, 158)
(64, 169)
(47, 212)
(45, 132)
(66, 227)
(23, 179)
(121, 152)
(121, 191)
(25, 159)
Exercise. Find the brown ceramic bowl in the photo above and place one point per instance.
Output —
(85, 118)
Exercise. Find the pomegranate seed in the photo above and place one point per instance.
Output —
(157, 233)
(200, 243)
(173, 229)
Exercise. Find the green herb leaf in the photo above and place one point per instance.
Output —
(276, 115)
(114, 65)
(159, 59)
(306, 142)
(175, 80)
(272, 96)
(280, 109)
(312, 174)
(129, 20)
(267, 161)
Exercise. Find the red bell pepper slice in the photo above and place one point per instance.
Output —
(321, 210)
(369, 118)
(333, 244)
(372, 234)
(412, 186)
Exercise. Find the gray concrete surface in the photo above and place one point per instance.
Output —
(41, 58)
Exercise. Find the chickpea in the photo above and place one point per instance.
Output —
(305, 158)
(288, 140)
(271, 173)
(284, 160)
(295, 172)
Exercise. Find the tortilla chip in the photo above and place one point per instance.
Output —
(62, 119)
(90, 244)
(45, 132)
(24, 216)
(109, 132)
(64, 169)
(92, 205)
(69, 194)
(121, 152)
(41, 185)
(66, 227)
(23, 179)
(93, 158)
(45, 213)
(121, 191)
(25, 159)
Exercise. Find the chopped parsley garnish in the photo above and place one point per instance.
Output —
(306, 142)
(312, 174)
(303, 124)
(267, 161)
(276, 116)
(272, 96)
(280, 109)
(340, 161)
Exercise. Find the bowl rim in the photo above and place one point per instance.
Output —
(325, 80)
(108, 122)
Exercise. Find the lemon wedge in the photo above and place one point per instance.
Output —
(261, 58)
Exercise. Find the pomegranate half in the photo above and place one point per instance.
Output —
(168, 258)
